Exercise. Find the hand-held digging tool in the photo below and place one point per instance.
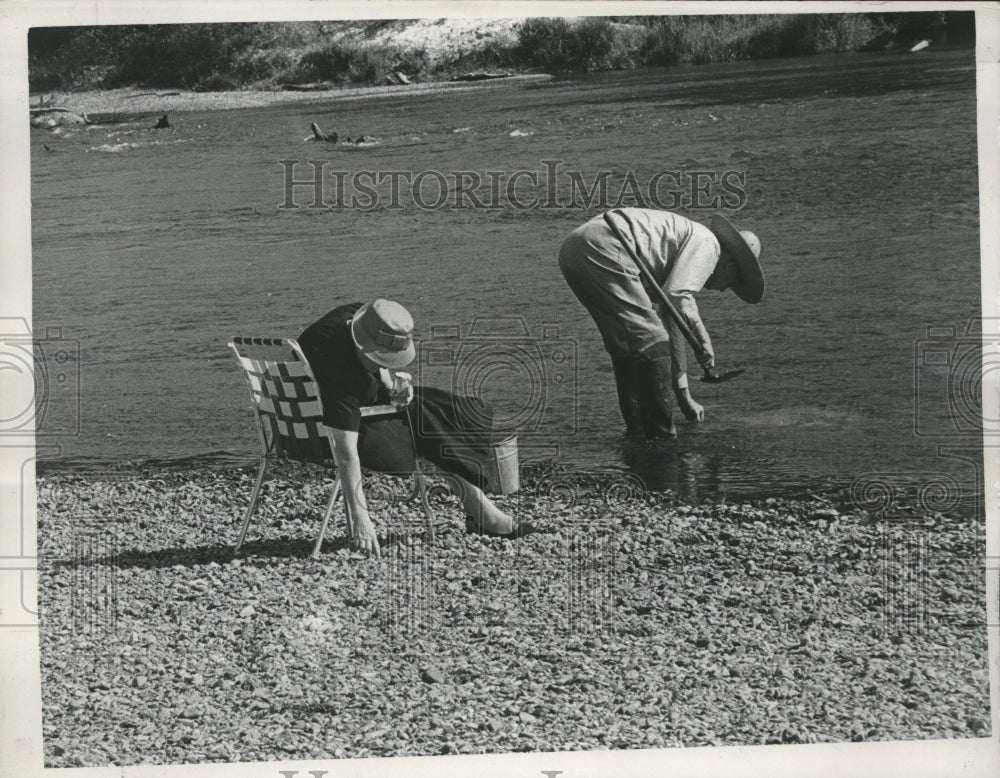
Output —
(709, 376)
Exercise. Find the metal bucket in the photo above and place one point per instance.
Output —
(503, 472)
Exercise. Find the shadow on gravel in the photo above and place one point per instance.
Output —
(260, 553)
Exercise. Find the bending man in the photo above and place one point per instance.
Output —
(648, 356)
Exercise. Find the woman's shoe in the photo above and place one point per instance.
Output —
(522, 529)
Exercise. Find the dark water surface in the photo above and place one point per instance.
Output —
(152, 248)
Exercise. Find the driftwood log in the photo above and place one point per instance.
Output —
(479, 76)
(320, 86)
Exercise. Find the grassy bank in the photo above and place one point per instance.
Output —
(262, 56)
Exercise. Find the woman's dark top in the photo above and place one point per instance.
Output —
(344, 384)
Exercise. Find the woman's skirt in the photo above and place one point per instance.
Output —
(453, 431)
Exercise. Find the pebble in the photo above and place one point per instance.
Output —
(431, 674)
(978, 726)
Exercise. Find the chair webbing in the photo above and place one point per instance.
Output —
(286, 397)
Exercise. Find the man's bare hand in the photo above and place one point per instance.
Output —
(693, 411)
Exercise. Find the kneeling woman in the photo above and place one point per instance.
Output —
(351, 351)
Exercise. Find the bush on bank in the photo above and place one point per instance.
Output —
(252, 55)
(188, 56)
(700, 40)
(354, 63)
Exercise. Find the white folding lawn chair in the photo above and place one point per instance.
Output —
(289, 416)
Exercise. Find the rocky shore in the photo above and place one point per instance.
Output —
(104, 105)
(633, 621)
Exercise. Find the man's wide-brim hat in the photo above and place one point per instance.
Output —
(744, 247)
(383, 332)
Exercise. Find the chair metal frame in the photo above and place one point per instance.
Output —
(289, 418)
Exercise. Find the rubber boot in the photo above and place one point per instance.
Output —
(627, 377)
(656, 398)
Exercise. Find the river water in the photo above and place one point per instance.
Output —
(152, 247)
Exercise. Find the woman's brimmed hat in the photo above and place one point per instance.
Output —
(383, 332)
(744, 247)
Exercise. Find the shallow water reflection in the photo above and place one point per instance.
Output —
(860, 175)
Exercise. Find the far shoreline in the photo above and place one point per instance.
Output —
(98, 105)
(102, 106)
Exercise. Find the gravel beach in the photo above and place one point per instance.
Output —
(634, 621)
(104, 105)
